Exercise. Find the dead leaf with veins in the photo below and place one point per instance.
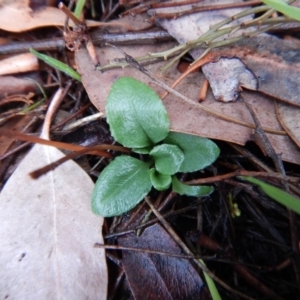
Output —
(289, 118)
(145, 270)
(48, 232)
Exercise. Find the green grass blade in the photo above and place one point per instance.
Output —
(277, 194)
(56, 64)
(290, 11)
(211, 285)
(79, 7)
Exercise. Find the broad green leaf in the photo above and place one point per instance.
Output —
(56, 64)
(277, 194)
(121, 186)
(190, 190)
(168, 158)
(281, 6)
(160, 181)
(198, 152)
(136, 114)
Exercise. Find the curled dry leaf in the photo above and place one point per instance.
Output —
(227, 76)
(12, 10)
(275, 63)
(19, 63)
(289, 117)
(12, 85)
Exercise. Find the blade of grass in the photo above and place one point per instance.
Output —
(56, 64)
(211, 285)
(281, 6)
(277, 194)
(79, 7)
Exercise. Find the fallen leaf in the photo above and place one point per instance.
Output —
(19, 63)
(185, 117)
(154, 276)
(12, 10)
(12, 85)
(48, 231)
(289, 117)
(275, 63)
(7, 144)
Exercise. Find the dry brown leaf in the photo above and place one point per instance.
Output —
(19, 63)
(289, 118)
(145, 271)
(17, 16)
(227, 76)
(185, 117)
(12, 85)
(275, 62)
(48, 231)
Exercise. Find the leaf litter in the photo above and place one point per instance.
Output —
(48, 231)
(154, 270)
(185, 117)
(277, 143)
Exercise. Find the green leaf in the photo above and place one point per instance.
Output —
(168, 158)
(198, 152)
(136, 114)
(277, 194)
(160, 181)
(281, 6)
(121, 186)
(56, 64)
(190, 190)
(144, 150)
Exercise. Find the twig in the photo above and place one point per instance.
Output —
(65, 146)
(197, 9)
(98, 38)
(242, 173)
(94, 150)
(262, 140)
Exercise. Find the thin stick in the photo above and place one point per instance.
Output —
(69, 14)
(242, 173)
(37, 140)
(94, 150)
(261, 138)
